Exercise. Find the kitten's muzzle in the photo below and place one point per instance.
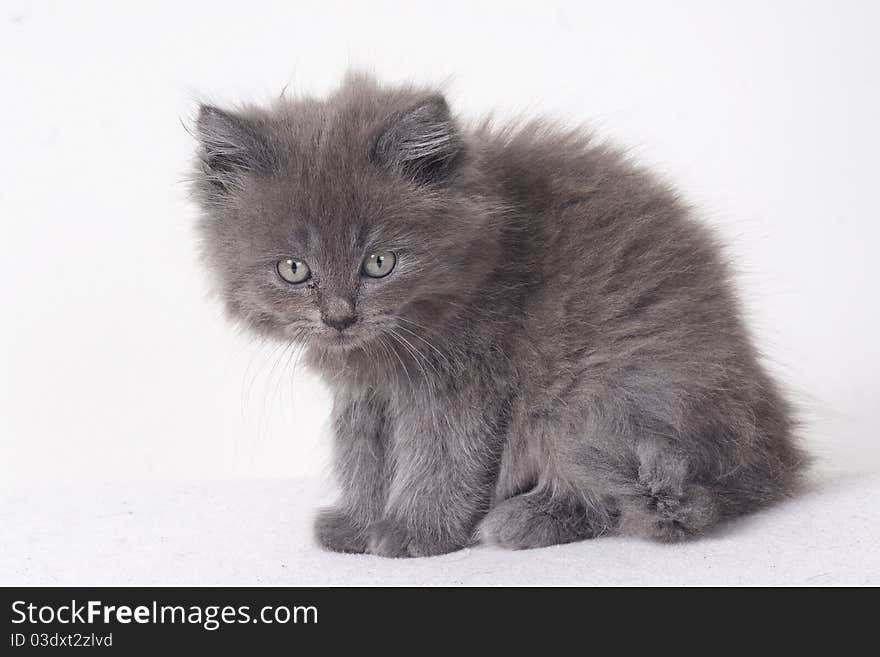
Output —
(338, 312)
(339, 323)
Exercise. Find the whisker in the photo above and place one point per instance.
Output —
(416, 356)
(419, 354)
(429, 344)
(400, 360)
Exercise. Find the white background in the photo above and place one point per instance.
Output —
(117, 366)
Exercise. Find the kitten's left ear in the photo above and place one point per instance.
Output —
(232, 146)
(422, 142)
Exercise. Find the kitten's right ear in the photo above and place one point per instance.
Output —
(232, 146)
(422, 142)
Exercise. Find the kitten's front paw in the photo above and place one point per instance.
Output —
(335, 530)
(538, 520)
(389, 538)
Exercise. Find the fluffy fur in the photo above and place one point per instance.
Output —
(557, 355)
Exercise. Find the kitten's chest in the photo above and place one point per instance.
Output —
(409, 407)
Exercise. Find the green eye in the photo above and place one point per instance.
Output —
(377, 265)
(293, 270)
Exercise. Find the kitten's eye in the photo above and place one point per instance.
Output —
(293, 270)
(377, 265)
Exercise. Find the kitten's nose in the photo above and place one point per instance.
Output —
(338, 313)
(340, 323)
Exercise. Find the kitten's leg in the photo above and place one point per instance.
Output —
(660, 500)
(443, 478)
(360, 434)
(540, 518)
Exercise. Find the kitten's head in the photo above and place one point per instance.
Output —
(338, 220)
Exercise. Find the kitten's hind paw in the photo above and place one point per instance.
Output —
(336, 531)
(664, 503)
(669, 515)
(538, 519)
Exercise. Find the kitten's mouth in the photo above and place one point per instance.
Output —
(339, 340)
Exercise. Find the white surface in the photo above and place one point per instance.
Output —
(258, 532)
(115, 367)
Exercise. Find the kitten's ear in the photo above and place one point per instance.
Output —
(421, 142)
(232, 146)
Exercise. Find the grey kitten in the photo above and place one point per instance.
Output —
(530, 341)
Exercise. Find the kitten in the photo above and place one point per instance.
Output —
(530, 341)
